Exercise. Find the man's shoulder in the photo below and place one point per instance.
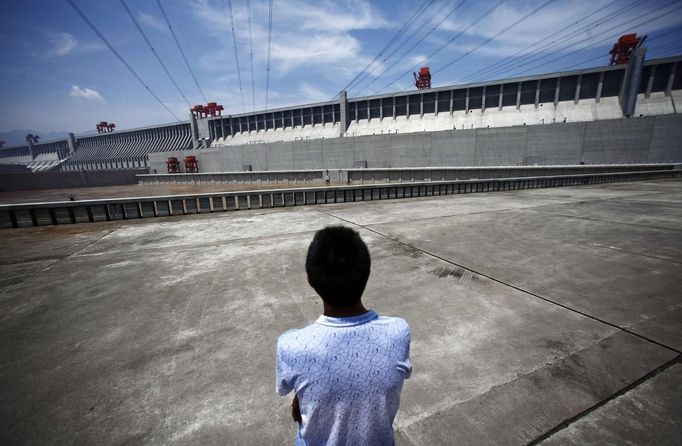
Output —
(294, 334)
(394, 323)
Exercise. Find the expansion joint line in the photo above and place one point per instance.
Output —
(676, 360)
(580, 217)
(558, 304)
(59, 260)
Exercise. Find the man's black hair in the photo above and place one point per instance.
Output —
(338, 265)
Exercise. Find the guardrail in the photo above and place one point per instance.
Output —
(68, 212)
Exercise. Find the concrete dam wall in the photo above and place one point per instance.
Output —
(656, 139)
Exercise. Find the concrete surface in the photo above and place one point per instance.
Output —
(648, 414)
(536, 315)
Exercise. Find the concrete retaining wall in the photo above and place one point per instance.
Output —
(618, 141)
(11, 182)
(327, 177)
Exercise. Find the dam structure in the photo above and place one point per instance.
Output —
(613, 114)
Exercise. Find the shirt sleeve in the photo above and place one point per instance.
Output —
(404, 365)
(284, 374)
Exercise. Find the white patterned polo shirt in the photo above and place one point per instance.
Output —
(348, 374)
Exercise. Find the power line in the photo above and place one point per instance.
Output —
(113, 50)
(236, 53)
(490, 11)
(391, 41)
(163, 65)
(253, 82)
(511, 56)
(671, 51)
(394, 50)
(658, 48)
(267, 71)
(493, 37)
(418, 42)
(674, 30)
(602, 56)
(611, 36)
(182, 53)
(555, 43)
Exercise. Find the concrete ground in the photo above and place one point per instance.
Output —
(546, 315)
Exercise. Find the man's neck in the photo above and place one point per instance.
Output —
(355, 310)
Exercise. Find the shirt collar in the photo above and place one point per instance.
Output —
(347, 321)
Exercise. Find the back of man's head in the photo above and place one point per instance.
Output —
(338, 265)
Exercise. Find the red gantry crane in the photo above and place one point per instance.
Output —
(173, 165)
(623, 48)
(105, 127)
(32, 138)
(191, 164)
(210, 109)
(422, 80)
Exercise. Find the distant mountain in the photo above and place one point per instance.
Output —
(18, 137)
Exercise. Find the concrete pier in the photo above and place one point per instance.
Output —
(548, 315)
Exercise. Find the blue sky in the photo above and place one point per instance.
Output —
(57, 75)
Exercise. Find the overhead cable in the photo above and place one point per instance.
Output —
(163, 65)
(123, 61)
(394, 50)
(267, 71)
(182, 53)
(253, 82)
(444, 45)
(490, 39)
(236, 53)
(561, 43)
(418, 42)
(611, 36)
(502, 62)
(391, 41)
(658, 48)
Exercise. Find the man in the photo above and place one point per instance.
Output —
(347, 368)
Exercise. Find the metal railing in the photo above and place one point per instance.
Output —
(69, 212)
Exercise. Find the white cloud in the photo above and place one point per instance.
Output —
(323, 50)
(152, 21)
(337, 16)
(86, 94)
(294, 16)
(311, 93)
(603, 18)
(312, 40)
(61, 43)
(327, 42)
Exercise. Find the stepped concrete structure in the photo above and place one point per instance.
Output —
(575, 96)
(642, 89)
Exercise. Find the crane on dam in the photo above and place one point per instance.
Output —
(623, 48)
(211, 109)
(105, 127)
(422, 80)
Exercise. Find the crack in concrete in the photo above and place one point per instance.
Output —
(574, 418)
(56, 262)
(612, 397)
(609, 221)
(615, 248)
(446, 407)
(502, 282)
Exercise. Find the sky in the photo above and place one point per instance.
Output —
(58, 75)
